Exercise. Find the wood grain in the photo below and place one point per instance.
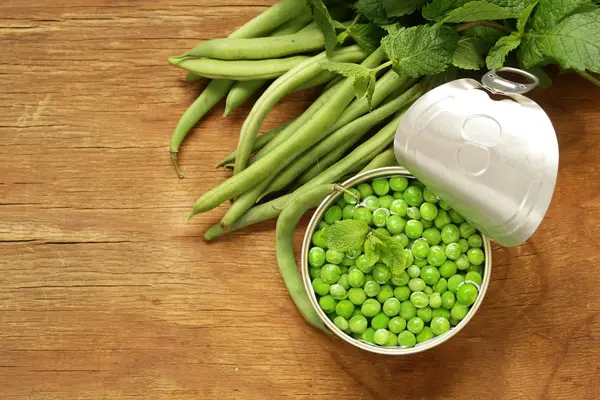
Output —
(107, 293)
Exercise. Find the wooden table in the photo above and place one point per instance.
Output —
(107, 293)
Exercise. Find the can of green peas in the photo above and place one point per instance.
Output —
(379, 315)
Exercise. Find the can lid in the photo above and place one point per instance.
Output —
(495, 162)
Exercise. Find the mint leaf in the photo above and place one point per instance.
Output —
(374, 10)
(363, 78)
(396, 8)
(498, 53)
(469, 53)
(347, 235)
(324, 21)
(438, 9)
(478, 11)
(574, 43)
(371, 249)
(524, 16)
(489, 35)
(421, 50)
(367, 36)
(383, 12)
(393, 255)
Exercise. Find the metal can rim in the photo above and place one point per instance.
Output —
(419, 347)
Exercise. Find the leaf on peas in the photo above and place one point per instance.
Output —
(372, 249)
(363, 78)
(347, 235)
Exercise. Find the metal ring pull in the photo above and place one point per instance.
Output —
(499, 85)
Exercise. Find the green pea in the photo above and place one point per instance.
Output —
(349, 196)
(327, 303)
(316, 257)
(399, 207)
(356, 278)
(440, 312)
(381, 336)
(370, 308)
(409, 256)
(433, 236)
(450, 234)
(334, 256)
(368, 335)
(436, 256)
(413, 196)
(442, 219)
(348, 262)
(341, 323)
(351, 268)
(456, 217)
(381, 273)
(453, 251)
(380, 321)
(344, 308)
(429, 196)
(383, 231)
(386, 201)
(476, 268)
(407, 339)
(358, 324)
(395, 224)
(398, 183)
(425, 314)
(413, 213)
(425, 335)
(475, 256)
(473, 277)
(428, 211)
(441, 286)
(381, 187)
(330, 273)
(321, 288)
(371, 202)
(466, 230)
(415, 325)
(435, 300)
(396, 325)
(341, 202)
(337, 291)
(439, 325)
(372, 288)
(402, 238)
(314, 272)
(385, 293)
(356, 335)
(391, 307)
(333, 213)
(448, 269)
(421, 263)
(356, 312)
(462, 262)
(357, 296)
(428, 290)
(365, 190)
(413, 229)
(392, 341)
(398, 195)
(414, 271)
(380, 217)
(322, 225)
(407, 310)
(420, 249)
(459, 311)
(467, 294)
(430, 275)
(464, 245)
(319, 238)
(401, 279)
(444, 205)
(454, 282)
(402, 293)
(348, 211)
(332, 315)
(426, 224)
(419, 299)
(454, 321)
(363, 264)
(448, 300)
(363, 214)
(416, 284)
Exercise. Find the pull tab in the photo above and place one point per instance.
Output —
(499, 85)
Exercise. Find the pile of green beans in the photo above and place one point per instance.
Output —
(286, 171)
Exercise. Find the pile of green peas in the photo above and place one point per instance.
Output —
(436, 291)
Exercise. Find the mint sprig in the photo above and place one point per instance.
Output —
(347, 235)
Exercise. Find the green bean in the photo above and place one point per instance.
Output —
(333, 82)
(279, 89)
(267, 21)
(260, 48)
(385, 159)
(238, 70)
(271, 209)
(318, 80)
(190, 76)
(342, 139)
(286, 223)
(259, 143)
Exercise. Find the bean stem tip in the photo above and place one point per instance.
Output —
(176, 164)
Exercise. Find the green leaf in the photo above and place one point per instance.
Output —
(367, 36)
(421, 50)
(383, 12)
(469, 53)
(574, 43)
(363, 78)
(393, 255)
(371, 249)
(478, 11)
(323, 19)
(498, 53)
(524, 16)
(438, 9)
(347, 235)
(489, 35)
(374, 10)
(398, 8)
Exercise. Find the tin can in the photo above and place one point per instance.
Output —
(312, 227)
